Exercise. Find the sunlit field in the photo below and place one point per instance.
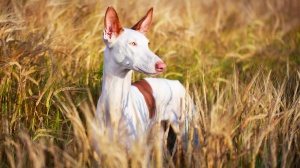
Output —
(239, 61)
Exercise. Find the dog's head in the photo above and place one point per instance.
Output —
(128, 48)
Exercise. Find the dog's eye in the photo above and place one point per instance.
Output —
(148, 43)
(133, 43)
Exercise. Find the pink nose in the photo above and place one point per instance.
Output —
(160, 66)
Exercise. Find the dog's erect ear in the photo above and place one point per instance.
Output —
(144, 24)
(112, 26)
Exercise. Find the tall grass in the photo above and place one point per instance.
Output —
(238, 59)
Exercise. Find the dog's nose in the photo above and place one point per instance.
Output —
(160, 66)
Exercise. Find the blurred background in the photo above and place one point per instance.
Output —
(239, 59)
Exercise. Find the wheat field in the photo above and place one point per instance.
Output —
(239, 61)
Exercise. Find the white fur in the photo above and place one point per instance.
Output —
(121, 106)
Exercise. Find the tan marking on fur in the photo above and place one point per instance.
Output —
(147, 92)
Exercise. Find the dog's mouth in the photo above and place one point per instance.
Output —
(146, 73)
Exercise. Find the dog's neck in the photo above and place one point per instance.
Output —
(116, 84)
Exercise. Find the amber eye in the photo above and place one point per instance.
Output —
(148, 43)
(133, 43)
